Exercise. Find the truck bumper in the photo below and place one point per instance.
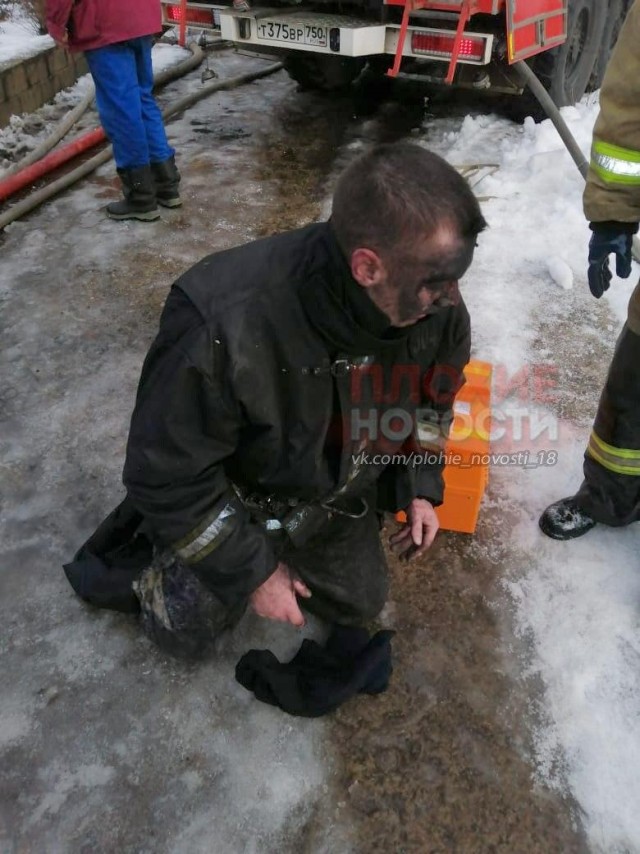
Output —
(314, 32)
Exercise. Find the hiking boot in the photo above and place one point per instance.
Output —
(166, 179)
(139, 196)
(565, 520)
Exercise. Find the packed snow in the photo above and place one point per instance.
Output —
(19, 37)
(560, 272)
(575, 604)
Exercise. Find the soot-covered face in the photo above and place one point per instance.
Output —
(412, 283)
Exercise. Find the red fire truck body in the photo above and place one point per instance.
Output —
(469, 43)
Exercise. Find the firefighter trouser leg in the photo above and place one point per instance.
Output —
(132, 120)
(344, 567)
(178, 612)
(610, 492)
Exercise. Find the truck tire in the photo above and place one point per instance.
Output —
(616, 14)
(322, 72)
(565, 71)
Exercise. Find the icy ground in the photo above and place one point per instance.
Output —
(574, 605)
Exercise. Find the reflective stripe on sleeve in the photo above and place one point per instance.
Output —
(618, 460)
(207, 536)
(616, 165)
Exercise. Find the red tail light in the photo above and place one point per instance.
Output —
(436, 44)
(193, 16)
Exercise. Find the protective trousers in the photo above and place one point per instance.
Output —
(123, 77)
(344, 567)
(610, 492)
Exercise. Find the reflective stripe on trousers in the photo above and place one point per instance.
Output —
(618, 460)
(208, 536)
(610, 492)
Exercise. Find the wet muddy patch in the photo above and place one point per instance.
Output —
(441, 761)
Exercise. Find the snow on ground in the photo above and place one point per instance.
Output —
(19, 37)
(259, 774)
(576, 603)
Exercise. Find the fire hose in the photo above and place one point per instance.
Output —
(59, 132)
(97, 135)
(20, 175)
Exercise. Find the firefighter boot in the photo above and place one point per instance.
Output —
(565, 520)
(166, 179)
(139, 196)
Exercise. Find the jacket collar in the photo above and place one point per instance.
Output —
(341, 311)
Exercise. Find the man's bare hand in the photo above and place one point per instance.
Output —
(275, 599)
(419, 531)
(63, 41)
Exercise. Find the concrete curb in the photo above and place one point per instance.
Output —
(28, 83)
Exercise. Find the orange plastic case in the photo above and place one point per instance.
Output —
(467, 471)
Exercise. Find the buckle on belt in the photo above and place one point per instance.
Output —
(341, 367)
(332, 507)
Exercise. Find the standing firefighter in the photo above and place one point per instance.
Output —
(276, 412)
(610, 492)
(116, 37)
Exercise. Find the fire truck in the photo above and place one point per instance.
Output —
(471, 44)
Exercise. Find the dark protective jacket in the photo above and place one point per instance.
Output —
(250, 382)
(613, 184)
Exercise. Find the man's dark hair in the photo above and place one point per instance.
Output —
(396, 193)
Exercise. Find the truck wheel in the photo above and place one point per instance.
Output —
(321, 71)
(565, 71)
(616, 14)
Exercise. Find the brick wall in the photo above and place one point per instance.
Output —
(27, 84)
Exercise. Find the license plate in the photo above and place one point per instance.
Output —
(298, 33)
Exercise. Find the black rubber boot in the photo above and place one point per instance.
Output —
(139, 196)
(564, 520)
(166, 179)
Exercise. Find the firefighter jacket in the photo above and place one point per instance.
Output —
(270, 369)
(613, 183)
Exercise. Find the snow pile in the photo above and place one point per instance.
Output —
(581, 603)
(560, 272)
(19, 38)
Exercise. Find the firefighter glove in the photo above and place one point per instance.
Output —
(609, 238)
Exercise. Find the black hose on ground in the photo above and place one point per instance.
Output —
(182, 68)
(219, 86)
(58, 133)
(548, 105)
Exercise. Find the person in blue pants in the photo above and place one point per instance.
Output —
(116, 37)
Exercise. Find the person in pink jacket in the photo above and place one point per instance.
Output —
(116, 37)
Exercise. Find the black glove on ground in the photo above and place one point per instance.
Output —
(318, 679)
(609, 238)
